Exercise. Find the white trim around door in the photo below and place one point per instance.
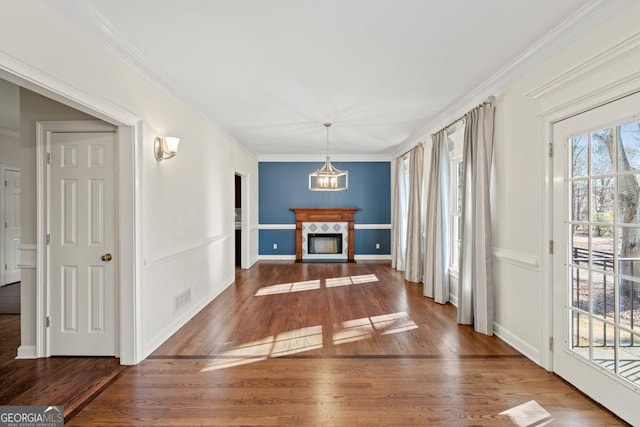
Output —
(129, 214)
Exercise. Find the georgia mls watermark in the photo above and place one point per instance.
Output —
(31, 416)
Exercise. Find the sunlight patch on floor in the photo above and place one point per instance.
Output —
(285, 288)
(528, 414)
(309, 285)
(366, 327)
(282, 344)
(350, 280)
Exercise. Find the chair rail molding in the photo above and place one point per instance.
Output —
(11, 133)
(169, 256)
(518, 259)
(28, 256)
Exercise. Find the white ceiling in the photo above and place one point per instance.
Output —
(385, 72)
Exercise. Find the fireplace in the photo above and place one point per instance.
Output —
(325, 234)
(324, 243)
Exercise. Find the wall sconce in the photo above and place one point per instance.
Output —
(165, 147)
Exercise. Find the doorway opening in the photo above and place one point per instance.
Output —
(238, 219)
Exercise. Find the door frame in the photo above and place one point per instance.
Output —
(3, 254)
(245, 250)
(128, 215)
(43, 284)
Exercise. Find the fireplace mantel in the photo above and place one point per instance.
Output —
(325, 215)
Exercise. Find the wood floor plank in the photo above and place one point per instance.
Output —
(335, 345)
(307, 345)
(338, 392)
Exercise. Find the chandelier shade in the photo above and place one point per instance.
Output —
(328, 177)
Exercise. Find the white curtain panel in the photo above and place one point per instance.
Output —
(475, 292)
(399, 217)
(415, 240)
(436, 278)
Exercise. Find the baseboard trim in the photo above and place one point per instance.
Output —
(518, 343)
(181, 320)
(453, 300)
(293, 257)
(372, 257)
(276, 257)
(26, 352)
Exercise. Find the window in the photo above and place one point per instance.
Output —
(456, 172)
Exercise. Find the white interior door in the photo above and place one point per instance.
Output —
(596, 261)
(12, 225)
(81, 227)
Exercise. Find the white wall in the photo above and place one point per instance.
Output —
(9, 146)
(187, 202)
(9, 124)
(594, 69)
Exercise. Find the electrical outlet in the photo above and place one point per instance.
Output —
(377, 245)
(275, 246)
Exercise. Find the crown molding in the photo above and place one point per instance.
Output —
(597, 63)
(92, 21)
(319, 158)
(33, 79)
(584, 20)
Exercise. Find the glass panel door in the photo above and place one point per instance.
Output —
(596, 260)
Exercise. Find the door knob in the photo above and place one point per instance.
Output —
(106, 257)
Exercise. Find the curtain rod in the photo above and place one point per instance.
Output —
(409, 150)
(487, 101)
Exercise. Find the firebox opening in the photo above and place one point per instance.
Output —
(325, 243)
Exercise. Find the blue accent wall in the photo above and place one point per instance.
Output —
(283, 185)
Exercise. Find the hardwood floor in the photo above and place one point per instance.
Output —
(10, 298)
(68, 381)
(338, 345)
(305, 344)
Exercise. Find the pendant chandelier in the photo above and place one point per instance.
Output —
(328, 178)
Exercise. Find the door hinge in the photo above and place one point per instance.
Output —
(5, 183)
(48, 239)
(551, 149)
(48, 322)
(5, 267)
(550, 343)
(551, 247)
(48, 158)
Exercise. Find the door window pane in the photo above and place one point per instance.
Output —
(603, 340)
(580, 201)
(602, 152)
(602, 190)
(580, 240)
(579, 155)
(580, 288)
(628, 195)
(629, 359)
(580, 330)
(629, 147)
(603, 295)
(628, 248)
(602, 247)
(629, 308)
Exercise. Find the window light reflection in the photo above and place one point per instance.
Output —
(310, 285)
(282, 344)
(351, 280)
(285, 288)
(366, 327)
